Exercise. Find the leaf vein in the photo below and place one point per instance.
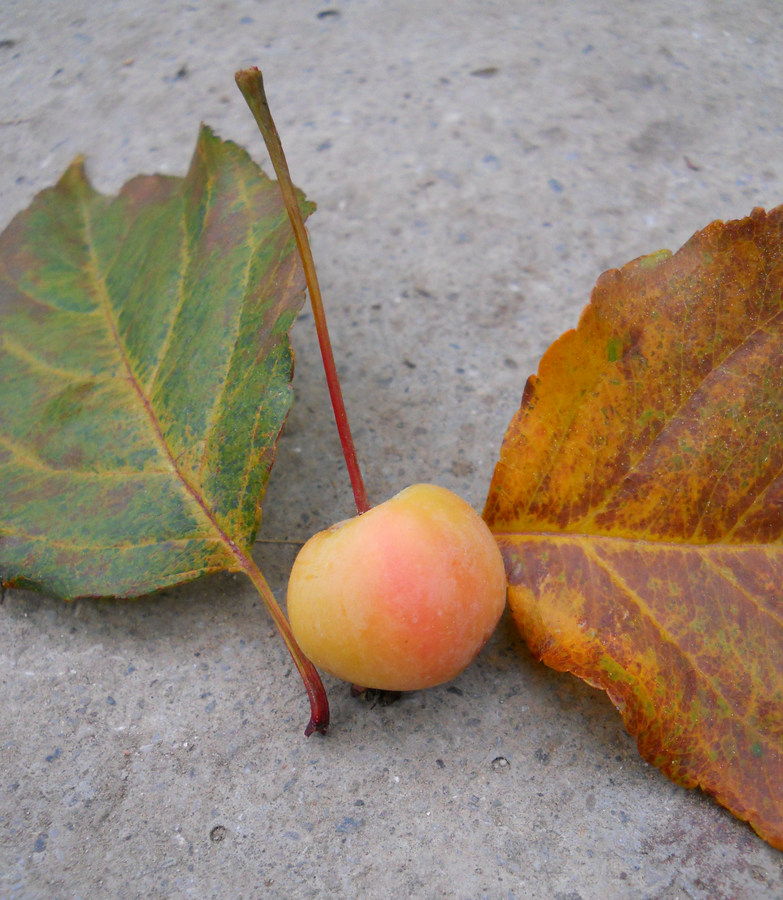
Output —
(19, 351)
(71, 543)
(220, 392)
(666, 635)
(36, 463)
(184, 271)
(155, 426)
(273, 378)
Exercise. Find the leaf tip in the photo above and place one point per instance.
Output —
(75, 174)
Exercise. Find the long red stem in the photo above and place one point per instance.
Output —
(251, 83)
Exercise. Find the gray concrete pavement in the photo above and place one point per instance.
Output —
(476, 166)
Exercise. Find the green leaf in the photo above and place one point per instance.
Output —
(145, 371)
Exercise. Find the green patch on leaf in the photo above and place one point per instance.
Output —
(145, 369)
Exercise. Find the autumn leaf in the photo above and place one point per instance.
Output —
(145, 370)
(638, 503)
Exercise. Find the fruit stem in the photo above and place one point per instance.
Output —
(251, 84)
(319, 704)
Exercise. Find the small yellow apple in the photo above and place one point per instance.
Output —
(402, 597)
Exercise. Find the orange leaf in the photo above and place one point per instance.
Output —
(638, 503)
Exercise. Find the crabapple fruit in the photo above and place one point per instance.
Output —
(401, 597)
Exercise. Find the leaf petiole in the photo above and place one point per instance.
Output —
(319, 704)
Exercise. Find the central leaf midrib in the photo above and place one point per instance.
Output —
(590, 549)
(102, 295)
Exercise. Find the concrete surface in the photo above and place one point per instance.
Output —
(476, 165)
